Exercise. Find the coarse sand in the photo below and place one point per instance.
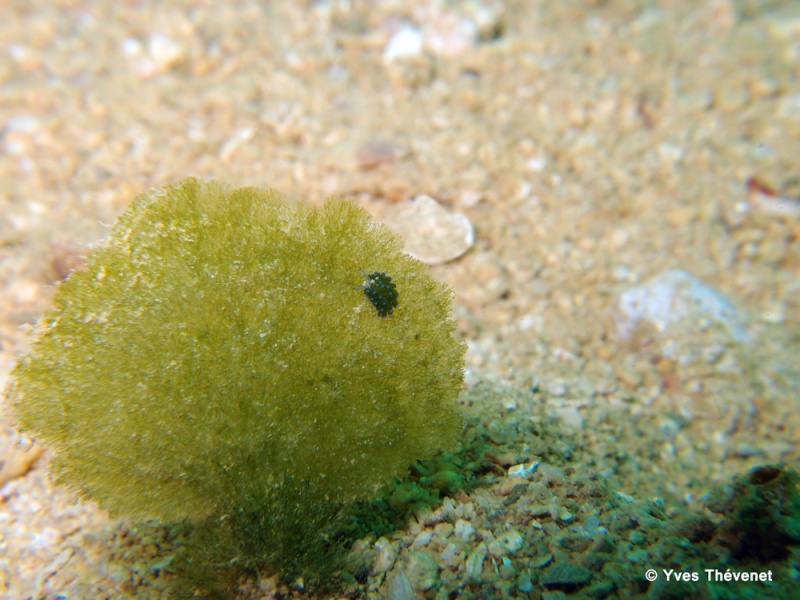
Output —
(593, 144)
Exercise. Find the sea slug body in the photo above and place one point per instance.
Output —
(380, 290)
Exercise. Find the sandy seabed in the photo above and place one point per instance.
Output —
(593, 144)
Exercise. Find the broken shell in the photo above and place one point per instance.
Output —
(523, 470)
(433, 234)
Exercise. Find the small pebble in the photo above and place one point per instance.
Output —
(158, 55)
(557, 389)
(523, 470)
(422, 540)
(540, 562)
(747, 451)
(464, 530)
(422, 570)
(452, 556)
(405, 43)
(566, 574)
(398, 587)
(637, 537)
(474, 566)
(387, 556)
(712, 354)
(524, 583)
(562, 514)
(375, 153)
(508, 543)
(443, 530)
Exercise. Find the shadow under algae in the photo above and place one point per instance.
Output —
(289, 531)
(305, 537)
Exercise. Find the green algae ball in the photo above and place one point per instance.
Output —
(221, 337)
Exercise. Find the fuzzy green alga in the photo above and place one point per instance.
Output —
(219, 337)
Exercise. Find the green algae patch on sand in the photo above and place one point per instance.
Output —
(217, 344)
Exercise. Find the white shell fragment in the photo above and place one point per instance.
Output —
(158, 55)
(685, 319)
(523, 470)
(405, 43)
(433, 234)
(673, 301)
(508, 543)
(779, 206)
